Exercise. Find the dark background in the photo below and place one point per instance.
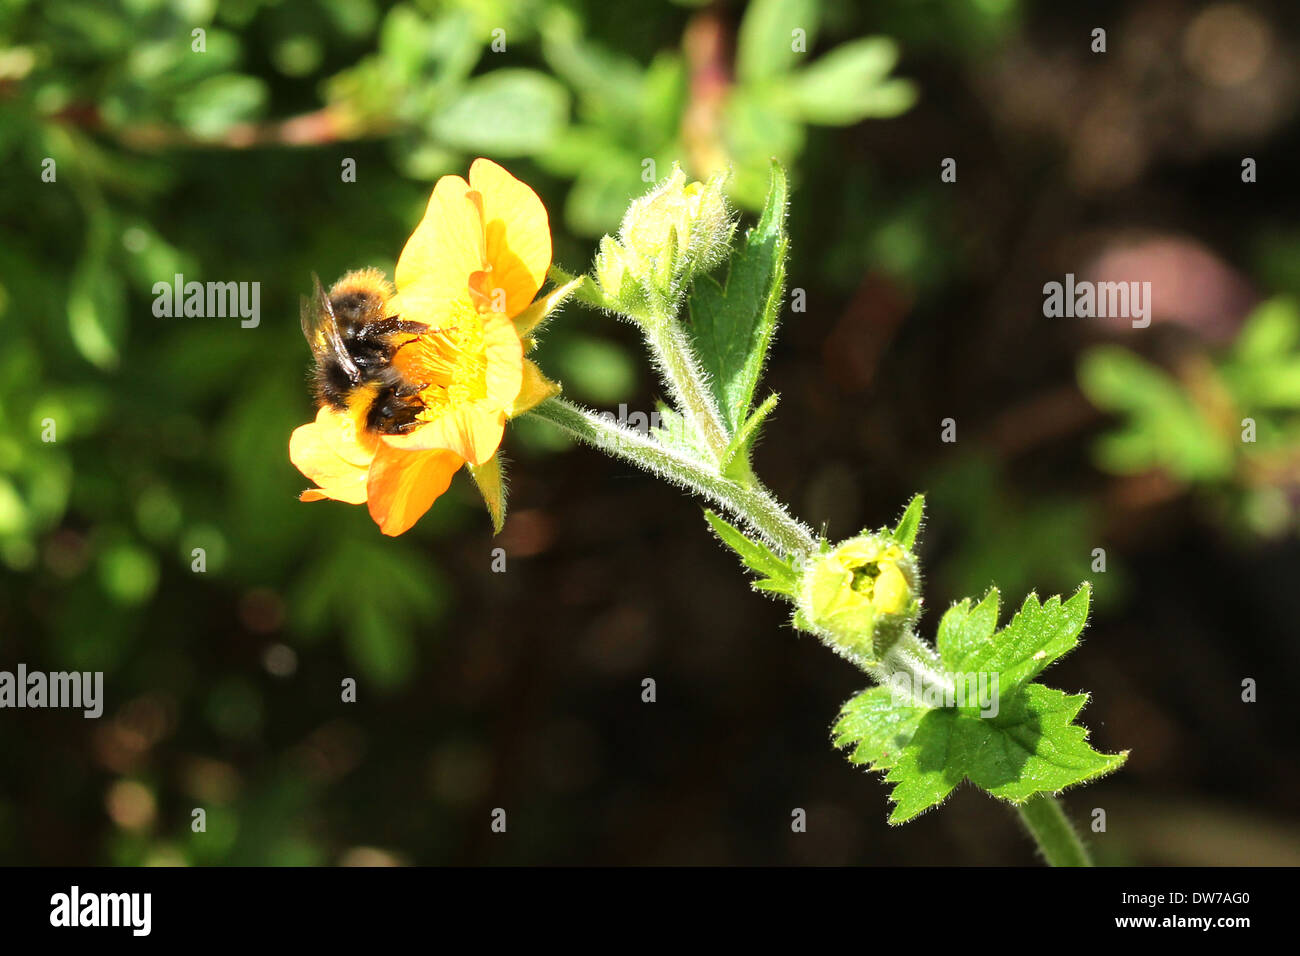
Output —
(522, 690)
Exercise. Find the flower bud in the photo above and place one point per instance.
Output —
(617, 270)
(861, 595)
(669, 235)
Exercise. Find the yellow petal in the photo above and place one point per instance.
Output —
(403, 485)
(471, 431)
(445, 249)
(517, 234)
(536, 388)
(345, 435)
(322, 451)
(504, 353)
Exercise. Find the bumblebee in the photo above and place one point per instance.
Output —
(353, 339)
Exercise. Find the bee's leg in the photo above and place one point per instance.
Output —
(394, 413)
(401, 428)
(401, 345)
(407, 389)
(403, 420)
(390, 325)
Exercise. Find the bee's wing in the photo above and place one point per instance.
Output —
(322, 330)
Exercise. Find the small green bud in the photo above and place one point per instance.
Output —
(667, 237)
(861, 595)
(616, 272)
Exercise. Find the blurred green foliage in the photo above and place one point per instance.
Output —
(1228, 425)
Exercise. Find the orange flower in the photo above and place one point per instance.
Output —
(469, 272)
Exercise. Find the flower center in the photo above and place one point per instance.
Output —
(448, 362)
(864, 577)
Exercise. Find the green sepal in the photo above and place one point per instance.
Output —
(490, 479)
(777, 574)
(735, 458)
(908, 528)
(674, 432)
(587, 291)
(528, 322)
(909, 525)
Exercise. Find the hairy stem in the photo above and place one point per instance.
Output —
(754, 506)
(675, 357)
(1045, 819)
(914, 660)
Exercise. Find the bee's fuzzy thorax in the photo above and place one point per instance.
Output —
(365, 281)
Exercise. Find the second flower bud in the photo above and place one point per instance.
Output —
(667, 237)
(861, 596)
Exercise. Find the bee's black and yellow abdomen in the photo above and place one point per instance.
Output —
(333, 384)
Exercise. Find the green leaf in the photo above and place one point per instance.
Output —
(1162, 427)
(732, 325)
(1275, 385)
(216, 104)
(508, 112)
(876, 728)
(909, 525)
(412, 46)
(848, 84)
(1263, 369)
(1272, 330)
(1031, 746)
(777, 573)
(96, 310)
(1037, 635)
(766, 45)
(663, 99)
(1026, 744)
(963, 630)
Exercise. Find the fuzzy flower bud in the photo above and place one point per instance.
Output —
(617, 272)
(861, 595)
(667, 237)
